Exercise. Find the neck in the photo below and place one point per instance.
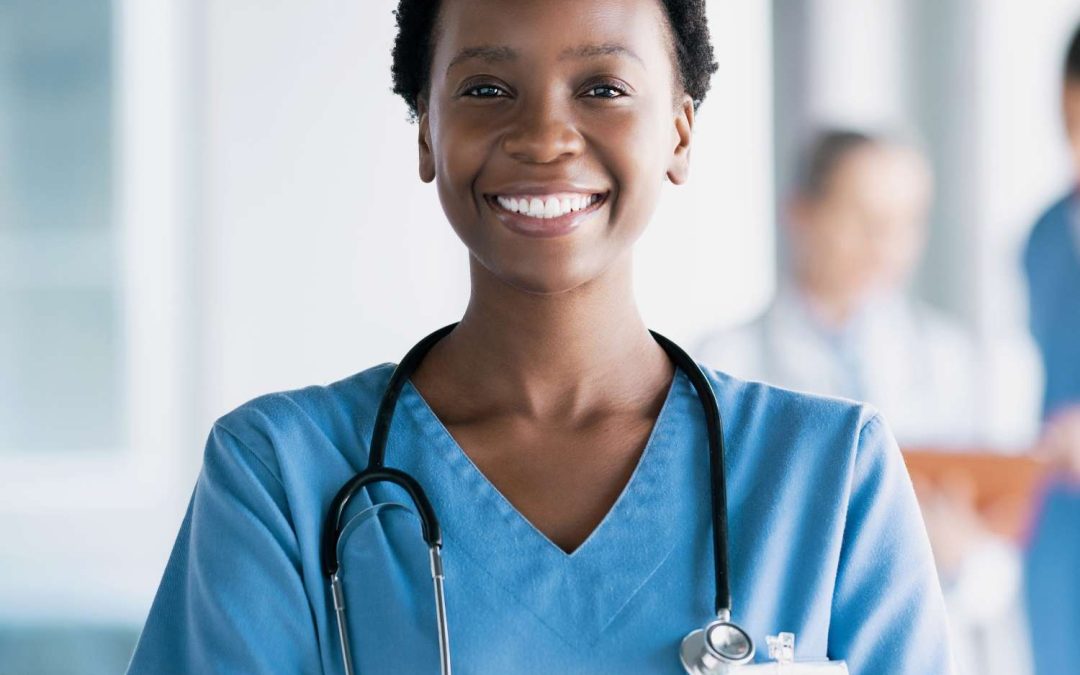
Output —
(549, 356)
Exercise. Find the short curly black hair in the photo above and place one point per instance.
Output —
(1072, 57)
(412, 51)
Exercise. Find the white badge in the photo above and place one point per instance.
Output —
(782, 653)
(800, 668)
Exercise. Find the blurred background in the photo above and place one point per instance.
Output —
(204, 201)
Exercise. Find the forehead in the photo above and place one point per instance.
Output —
(508, 30)
(883, 172)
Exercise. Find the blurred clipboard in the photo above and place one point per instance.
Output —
(1004, 488)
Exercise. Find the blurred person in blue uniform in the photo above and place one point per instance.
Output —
(1052, 267)
(844, 324)
(564, 453)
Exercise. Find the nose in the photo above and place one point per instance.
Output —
(542, 134)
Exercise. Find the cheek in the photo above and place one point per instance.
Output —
(634, 150)
(459, 155)
(904, 250)
(459, 149)
(841, 240)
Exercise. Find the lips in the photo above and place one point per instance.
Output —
(545, 213)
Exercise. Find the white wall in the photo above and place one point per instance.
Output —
(84, 534)
(857, 53)
(324, 253)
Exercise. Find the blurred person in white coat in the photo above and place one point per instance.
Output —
(844, 323)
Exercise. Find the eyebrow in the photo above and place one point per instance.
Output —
(605, 49)
(489, 53)
(501, 53)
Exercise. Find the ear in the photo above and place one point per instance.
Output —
(679, 167)
(427, 157)
(796, 210)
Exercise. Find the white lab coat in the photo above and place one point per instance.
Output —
(908, 360)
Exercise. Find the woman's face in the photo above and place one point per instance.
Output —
(548, 128)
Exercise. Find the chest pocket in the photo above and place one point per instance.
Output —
(388, 592)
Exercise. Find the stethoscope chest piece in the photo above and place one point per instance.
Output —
(714, 649)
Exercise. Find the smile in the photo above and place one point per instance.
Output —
(545, 215)
(547, 206)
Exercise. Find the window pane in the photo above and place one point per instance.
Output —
(59, 301)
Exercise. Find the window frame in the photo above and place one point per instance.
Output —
(92, 527)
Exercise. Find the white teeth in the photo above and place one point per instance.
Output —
(549, 207)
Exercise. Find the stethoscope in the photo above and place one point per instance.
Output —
(711, 650)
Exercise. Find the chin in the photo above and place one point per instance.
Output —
(546, 284)
(543, 278)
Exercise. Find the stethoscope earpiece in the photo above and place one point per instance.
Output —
(712, 650)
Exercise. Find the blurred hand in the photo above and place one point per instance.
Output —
(1060, 442)
(953, 523)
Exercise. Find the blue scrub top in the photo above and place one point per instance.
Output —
(1052, 265)
(826, 541)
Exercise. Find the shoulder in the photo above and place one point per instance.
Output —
(796, 428)
(1050, 227)
(744, 396)
(336, 416)
(831, 457)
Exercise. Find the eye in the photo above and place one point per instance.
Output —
(605, 90)
(485, 91)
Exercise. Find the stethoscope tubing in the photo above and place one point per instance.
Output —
(377, 472)
(717, 477)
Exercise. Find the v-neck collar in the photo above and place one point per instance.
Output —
(575, 594)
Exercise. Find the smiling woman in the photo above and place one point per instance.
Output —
(575, 461)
